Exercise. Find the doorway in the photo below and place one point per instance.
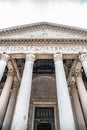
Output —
(44, 118)
(44, 126)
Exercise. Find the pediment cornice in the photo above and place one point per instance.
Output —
(43, 25)
(42, 41)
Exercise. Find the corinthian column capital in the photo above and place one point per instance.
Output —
(83, 57)
(58, 57)
(4, 57)
(11, 71)
(72, 82)
(78, 72)
(30, 57)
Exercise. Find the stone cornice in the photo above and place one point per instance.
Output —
(42, 41)
(43, 25)
(43, 46)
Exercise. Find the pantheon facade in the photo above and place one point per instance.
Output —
(43, 77)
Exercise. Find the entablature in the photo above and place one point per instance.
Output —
(20, 47)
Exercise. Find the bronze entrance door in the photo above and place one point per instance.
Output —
(44, 118)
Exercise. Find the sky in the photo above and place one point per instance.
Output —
(20, 12)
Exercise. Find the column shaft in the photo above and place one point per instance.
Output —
(5, 97)
(83, 95)
(10, 110)
(65, 110)
(3, 61)
(20, 117)
(77, 106)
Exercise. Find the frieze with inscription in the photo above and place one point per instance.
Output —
(75, 49)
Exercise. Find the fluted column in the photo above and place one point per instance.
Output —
(79, 115)
(20, 117)
(10, 110)
(83, 59)
(3, 61)
(5, 96)
(82, 93)
(65, 110)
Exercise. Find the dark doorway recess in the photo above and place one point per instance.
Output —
(44, 126)
(44, 118)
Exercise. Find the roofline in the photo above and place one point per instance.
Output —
(20, 28)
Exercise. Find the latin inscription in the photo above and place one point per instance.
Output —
(44, 49)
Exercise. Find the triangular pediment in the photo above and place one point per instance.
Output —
(43, 30)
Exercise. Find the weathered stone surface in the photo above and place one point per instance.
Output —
(43, 87)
